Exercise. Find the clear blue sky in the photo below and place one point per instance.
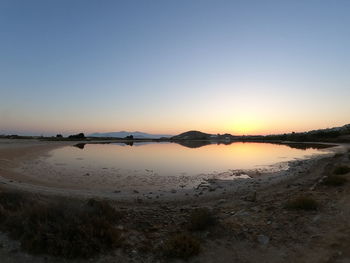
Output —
(171, 66)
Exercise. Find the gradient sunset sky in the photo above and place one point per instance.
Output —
(243, 67)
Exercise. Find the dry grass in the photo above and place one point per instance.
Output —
(337, 155)
(335, 180)
(201, 219)
(182, 245)
(61, 229)
(341, 170)
(302, 203)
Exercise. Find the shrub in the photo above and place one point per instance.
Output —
(64, 229)
(342, 170)
(182, 245)
(201, 219)
(335, 180)
(337, 155)
(103, 210)
(77, 136)
(13, 201)
(302, 203)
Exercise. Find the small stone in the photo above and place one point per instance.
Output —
(251, 197)
(263, 240)
(222, 201)
(120, 227)
(316, 218)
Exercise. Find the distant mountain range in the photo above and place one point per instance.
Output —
(123, 134)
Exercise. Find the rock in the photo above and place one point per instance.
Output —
(316, 218)
(173, 191)
(263, 240)
(251, 197)
(222, 201)
(120, 227)
(136, 192)
(242, 213)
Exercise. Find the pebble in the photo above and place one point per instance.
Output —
(222, 201)
(263, 240)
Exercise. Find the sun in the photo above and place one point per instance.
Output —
(248, 125)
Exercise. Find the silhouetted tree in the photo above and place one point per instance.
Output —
(77, 136)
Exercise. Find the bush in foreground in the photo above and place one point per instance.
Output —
(201, 219)
(182, 245)
(62, 229)
(338, 155)
(302, 203)
(342, 170)
(335, 180)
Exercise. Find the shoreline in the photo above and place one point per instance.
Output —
(252, 223)
(206, 189)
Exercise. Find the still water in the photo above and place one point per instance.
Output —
(171, 159)
(157, 166)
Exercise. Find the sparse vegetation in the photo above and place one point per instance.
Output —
(335, 180)
(201, 219)
(338, 155)
(302, 203)
(342, 170)
(181, 245)
(61, 229)
(77, 136)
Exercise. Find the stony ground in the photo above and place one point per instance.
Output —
(251, 226)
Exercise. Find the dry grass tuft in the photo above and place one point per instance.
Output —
(201, 219)
(182, 245)
(302, 203)
(60, 229)
(342, 170)
(335, 180)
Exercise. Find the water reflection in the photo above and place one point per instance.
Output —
(176, 159)
(199, 143)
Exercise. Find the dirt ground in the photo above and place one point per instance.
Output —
(252, 224)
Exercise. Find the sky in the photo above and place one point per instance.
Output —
(169, 66)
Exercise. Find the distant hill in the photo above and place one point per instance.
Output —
(193, 135)
(336, 134)
(123, 134)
